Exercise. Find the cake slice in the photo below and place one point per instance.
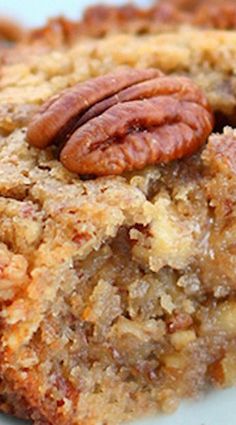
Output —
(117, 292)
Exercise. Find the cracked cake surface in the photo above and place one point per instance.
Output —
(117, 293)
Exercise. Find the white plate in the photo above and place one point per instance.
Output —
(217, 408)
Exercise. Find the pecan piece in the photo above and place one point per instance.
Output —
(124, 121)
(59, 116)
(10, 30)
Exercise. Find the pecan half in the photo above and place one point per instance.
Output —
(124, 121)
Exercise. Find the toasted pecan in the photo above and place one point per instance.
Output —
(124, 121)
(10, 30)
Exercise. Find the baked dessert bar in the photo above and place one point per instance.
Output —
(117, 292)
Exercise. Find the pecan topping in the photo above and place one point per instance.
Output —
(124, 121)
(10, 30)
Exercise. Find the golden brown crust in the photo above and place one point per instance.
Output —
(101, 20)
